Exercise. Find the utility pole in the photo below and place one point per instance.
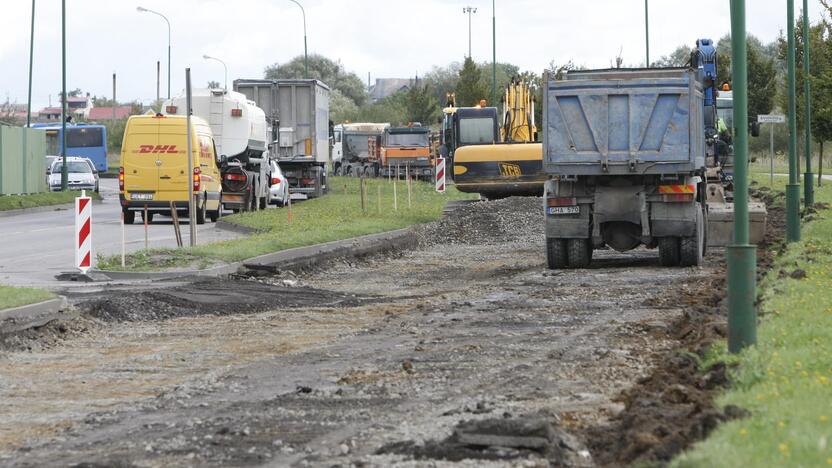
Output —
(793, 187)
(742, 256)
(64, 168)
(158, 78)
(469, 10)
(646, 36)
(305, 55)
(114, 99)
(192, 205)
(31, 56)
(493, 54)
(808, 177)
(146, 10)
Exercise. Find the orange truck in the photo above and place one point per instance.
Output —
(406, 148)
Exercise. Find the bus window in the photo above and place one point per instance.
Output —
(84, 137)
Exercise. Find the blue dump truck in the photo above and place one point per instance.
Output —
(625, 154)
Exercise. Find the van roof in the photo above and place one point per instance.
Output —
(166, 120)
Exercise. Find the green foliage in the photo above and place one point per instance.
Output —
(421, 106)
(333, 217)
(785, 380)
(443, 80)
(762, 73)
(470, 88)
(678, 58)
(330, 72)
(115, 135)
(16, 297)
(341, 108)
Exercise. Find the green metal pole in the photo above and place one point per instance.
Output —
(646, 36)
(742, 257)
(305, 56)
(808, 178)
(793, 187)
(64, 168)
(31, 60)
(493, 54)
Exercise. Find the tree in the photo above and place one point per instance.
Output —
(103, 102)
(678, 58)
(443, 80)
(762, 82)
(420, 105)
(470, 88)
(341, 108)
(321, 68)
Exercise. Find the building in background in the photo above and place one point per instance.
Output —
(386, 87)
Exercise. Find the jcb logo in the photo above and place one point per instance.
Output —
(510, 170)
(169, 149)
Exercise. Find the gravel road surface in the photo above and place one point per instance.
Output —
(464, 352)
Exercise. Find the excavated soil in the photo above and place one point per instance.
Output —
(464, 352)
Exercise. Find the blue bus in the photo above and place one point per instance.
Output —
(82, 140)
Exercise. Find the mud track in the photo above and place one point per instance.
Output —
(465, 352)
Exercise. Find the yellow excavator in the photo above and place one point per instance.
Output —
(512, 164)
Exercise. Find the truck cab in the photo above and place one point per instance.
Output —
(406, 147)
(463, 126)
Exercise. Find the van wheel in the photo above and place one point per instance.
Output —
(214, 215)
(202, 211)
(129, 216)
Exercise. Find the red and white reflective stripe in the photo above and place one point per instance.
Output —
(440, 175)
(687, 188)
(83, 233)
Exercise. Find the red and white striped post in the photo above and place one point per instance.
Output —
(440, 175)
(83, 232)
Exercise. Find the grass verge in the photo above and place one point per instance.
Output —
(786, 379)
(11, 296)
(334, 217)
(16, 202)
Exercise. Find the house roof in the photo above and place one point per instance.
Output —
(106, 113)
(385, 87)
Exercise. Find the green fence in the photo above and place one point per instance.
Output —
(22, 160)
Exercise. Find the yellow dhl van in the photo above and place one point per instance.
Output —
(154, 168)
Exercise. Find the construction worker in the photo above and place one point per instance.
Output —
(724, 140)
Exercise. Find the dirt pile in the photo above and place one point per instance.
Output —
(513, 219)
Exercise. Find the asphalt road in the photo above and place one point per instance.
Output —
(38, 246)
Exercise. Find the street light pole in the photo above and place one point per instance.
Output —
(793, 187)
(741, 255)
(64, 168)
(646, 36)
(208, 57)
(808, 177)
(146, 10)
(305, 55)
(31, 58)
(493, 54)
(469, 10)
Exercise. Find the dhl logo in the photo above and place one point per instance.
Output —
(156, 149)
(510, 170)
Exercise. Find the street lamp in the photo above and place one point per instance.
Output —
(493, 53)
(208, 57)
(305, 56)
(646, 36)
(469, 11)
(808, 188)
(146, 10)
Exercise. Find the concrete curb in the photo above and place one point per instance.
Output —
(226, 226)
(305, 257)
(32, 315)
(41, 209)
(165, 275)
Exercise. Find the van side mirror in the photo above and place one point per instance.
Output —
(223, 159)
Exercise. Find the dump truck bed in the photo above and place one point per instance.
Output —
(622, 122)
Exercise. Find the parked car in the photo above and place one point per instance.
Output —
(279, 188)
(79, 172)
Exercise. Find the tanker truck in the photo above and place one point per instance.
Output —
(297, 112)
(240, 136)
(625, 154)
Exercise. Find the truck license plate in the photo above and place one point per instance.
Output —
(141, 196)
(557, 210)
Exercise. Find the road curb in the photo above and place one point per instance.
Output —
(226, 226)
(113, 275)
(33, 315)
(41, 209)
(305, 257)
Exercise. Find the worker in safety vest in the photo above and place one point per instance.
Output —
(724, 140)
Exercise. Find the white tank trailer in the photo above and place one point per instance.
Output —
(241, 139)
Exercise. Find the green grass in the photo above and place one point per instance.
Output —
(16, 297)
(786, 379)
(16, 202)
(333, 217)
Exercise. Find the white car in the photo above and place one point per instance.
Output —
(279, 188)
(80, 175)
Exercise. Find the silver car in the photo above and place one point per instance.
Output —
(80, 175)
(279, 188)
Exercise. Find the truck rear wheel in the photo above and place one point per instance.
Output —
(669, 251)
(580, 253)
(556, 256)
(691, 249)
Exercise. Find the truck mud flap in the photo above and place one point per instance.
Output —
(673, 219)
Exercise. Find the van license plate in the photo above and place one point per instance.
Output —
(141, 196)
(557, 210)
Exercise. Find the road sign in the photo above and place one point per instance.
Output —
(440, 175)
(83, 232)
(771, 118)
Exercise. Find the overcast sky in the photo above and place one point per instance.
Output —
(386, 38)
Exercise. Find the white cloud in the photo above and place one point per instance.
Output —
(392, 38)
